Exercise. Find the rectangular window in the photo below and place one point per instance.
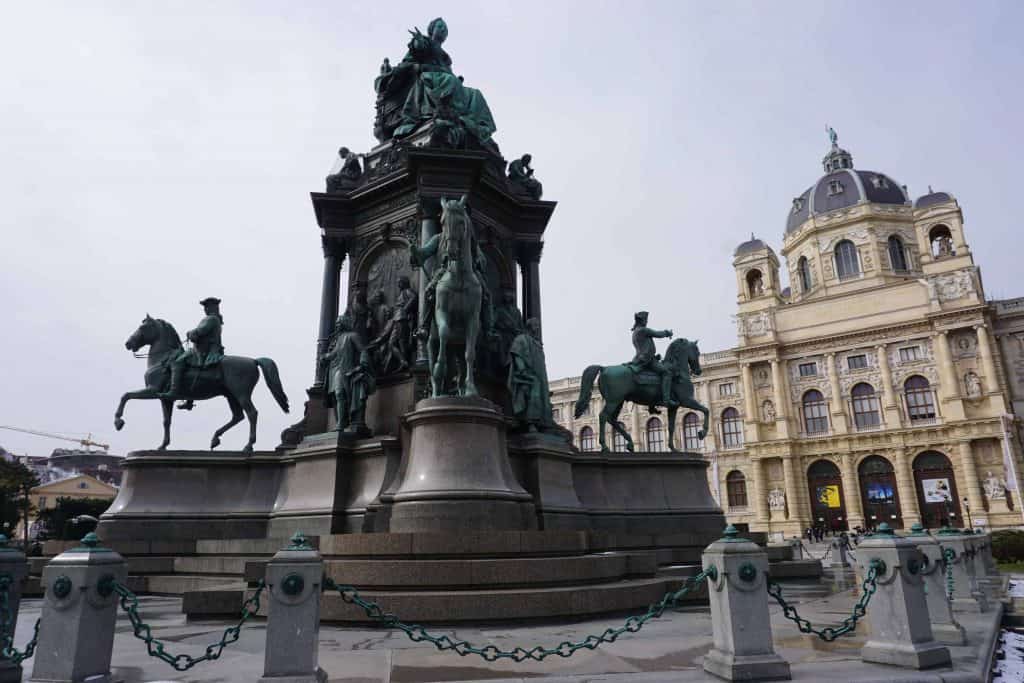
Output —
(556, 414)
(42, 502)
(910, 353)
(808, 369)
(857, 362)
(726, 389)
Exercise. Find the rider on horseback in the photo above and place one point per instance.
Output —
(206, 350)
(647, 358)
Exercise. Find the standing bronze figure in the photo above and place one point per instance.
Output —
(204, 373)
(350, 380)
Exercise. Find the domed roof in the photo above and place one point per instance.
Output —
(843, 186)
(932, 198)
(751, 245)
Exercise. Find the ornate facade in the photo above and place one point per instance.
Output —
(880, 386)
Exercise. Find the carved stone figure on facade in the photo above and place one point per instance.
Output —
(768, 411)
(508, 324)
(422, 87)
(528, 380)
(350, 378)
(973, 385)
(346, 172)
(777, 500)
(396, 340)
(647, 358)
(995, 487)
(521, 180)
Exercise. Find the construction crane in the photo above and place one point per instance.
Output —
(87, 441)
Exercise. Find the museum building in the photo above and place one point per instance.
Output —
(880, 386)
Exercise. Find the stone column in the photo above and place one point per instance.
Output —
(13, 570)
(909, 508)
(334, 256)
(838, 403)
(893, 419)
(901, 633)
(793, 499)
(76, 633)
(294, 577)
(750, 421)
(781, 398)
(851, 493)
(761, 492)
(740, 620)
(529, 265)
(990, 382)
(971, 483)
(430, 214)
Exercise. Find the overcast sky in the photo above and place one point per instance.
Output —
(157, 153)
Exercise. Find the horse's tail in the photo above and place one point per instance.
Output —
(269, 369)
(586, 387)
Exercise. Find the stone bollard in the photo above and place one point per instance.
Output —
(840, 560)
(741, 625)
(76, 635)
(798, 548)
(900, 630)
(967, 596)
(294, 580)
(989, 583)
(13, 570)
(933, 570)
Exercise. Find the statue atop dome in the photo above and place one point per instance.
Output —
(422, 87)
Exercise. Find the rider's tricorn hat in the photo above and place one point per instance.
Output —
(210, 301)
(640, 314)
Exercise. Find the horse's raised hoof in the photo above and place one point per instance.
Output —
(118, 423)
(214, 442)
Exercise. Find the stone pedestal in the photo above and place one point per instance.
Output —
(798, 547)
(76, 635)
(14, 569)
(945, 627)
(901, 633)
(839, 557)
(456, 474)
(294, 577)
(740, 622)
(967, 595)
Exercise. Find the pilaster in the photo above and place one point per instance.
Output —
(838, 402)
(794, 500)
(750, 422)
(909, 508)
(851, 492)
(990, 381)
(780, 396)
(893, 419)
(971, 483)
(760, 492)
(949, 386)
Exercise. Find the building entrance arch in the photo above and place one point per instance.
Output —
(828, 504)
(879, 493)
(936, 490)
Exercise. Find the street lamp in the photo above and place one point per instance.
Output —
(967, 509)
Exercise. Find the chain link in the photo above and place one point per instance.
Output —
(492, 653)
(7, 650)
(948, 554)
(155, 648)
(829, 633)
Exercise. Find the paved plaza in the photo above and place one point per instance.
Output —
(667, 649)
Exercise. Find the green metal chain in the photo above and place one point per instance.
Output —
(7, 650)
(492, 653)
(155, 648)
(948, 554)
(829, 633)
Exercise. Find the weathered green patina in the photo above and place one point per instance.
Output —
(455, 299)
(528, 380)
(350, 379)
(639, 381)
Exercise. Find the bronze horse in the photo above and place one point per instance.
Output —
(234, 379)
(618, 384)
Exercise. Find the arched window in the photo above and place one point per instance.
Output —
(619, 443)
(691, 427)
(847, 265)
(865, 406)
(655, 437)
(919, 398)
(815, 412)
(586, 439)
(732, 428)
(755, 283)
(803, 267)
(736, 489)
(897, 255)
(941, 240)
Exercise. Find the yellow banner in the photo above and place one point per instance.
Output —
(829, 495)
